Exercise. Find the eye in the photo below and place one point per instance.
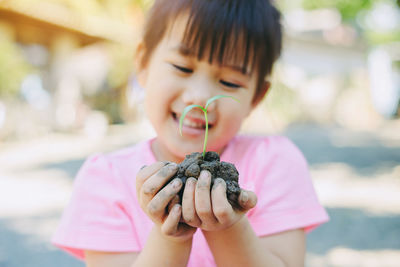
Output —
(231, 85)
(182, 69)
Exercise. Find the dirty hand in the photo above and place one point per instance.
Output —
(211, 211)
(161, 202)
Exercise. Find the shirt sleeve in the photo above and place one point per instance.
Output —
(96, 217)
(286, 196)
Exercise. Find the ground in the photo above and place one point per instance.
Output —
(356, 175)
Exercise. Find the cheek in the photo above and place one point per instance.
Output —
(232, 120)
(150, 105)
(237, 111)
(158, 99)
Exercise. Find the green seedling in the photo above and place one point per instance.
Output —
(204, 109)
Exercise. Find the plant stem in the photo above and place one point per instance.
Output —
(204, 109)
(206, 135)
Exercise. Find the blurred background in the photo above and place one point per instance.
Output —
(67, 90)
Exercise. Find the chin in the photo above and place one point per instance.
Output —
(182, 152)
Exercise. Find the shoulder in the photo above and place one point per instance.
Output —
(267, 161)
(103, 213)
(110, 167)
(264, 148)
(139, 152)
(278, 173)
(265, 141)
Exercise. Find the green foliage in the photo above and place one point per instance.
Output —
(144, 4)
(378, 38)
(107, 100)
(282, 102)
(204, 109)
(347, 8)
(121, 64)
(13, 68)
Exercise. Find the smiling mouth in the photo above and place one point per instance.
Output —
(192, 124)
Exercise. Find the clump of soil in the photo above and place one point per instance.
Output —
(194, 163)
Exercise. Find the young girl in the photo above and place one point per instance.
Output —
(125, 211)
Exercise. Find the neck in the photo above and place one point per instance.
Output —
(162, 154)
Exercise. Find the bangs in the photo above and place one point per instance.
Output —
(221, 31)
(244, 34)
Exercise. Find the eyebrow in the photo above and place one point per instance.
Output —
(186, 51)
(183, 50)
(238, 69)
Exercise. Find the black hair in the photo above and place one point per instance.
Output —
(243, 31)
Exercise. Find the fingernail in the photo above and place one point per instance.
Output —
(176, 183)
(177, 199)
(177, 207)
(245, 197)
(218, 181)
(172, 165)
(191, 181)
(204, 175)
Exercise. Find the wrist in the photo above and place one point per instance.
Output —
(241, 225)
(173, 240)
(160, 250)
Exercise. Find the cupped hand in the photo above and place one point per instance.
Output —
(210, 209)
(160, 201)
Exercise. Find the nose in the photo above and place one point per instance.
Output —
(198, 90)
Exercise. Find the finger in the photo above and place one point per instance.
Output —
(185, 231)
(188, 203)
(175, 200)
(156, 207)
(145, 172)
(222, 209)
(155, 182)
(247, 199)
(170, 225)
(203, 199)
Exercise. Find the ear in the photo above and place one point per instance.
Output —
(260, 96)
(140, 65)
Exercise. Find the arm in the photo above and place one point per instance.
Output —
(158, 251)
(246, 249)
(106, 259)
(169, 242)
(228, 232)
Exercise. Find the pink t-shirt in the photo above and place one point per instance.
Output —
(104, 213)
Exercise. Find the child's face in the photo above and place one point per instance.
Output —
(173, 80)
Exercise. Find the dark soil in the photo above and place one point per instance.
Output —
(194, 163)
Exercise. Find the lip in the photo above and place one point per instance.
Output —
(187, 130)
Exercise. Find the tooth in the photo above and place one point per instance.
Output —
(192, 124)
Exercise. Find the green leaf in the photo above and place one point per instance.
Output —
(212, 99)
(188, 108)
(185, 111)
